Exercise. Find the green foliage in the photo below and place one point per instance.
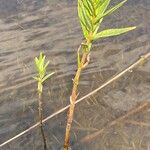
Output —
(112, 32)
(91, 14)
(41, 67)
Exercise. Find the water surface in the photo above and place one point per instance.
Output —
(28, 27)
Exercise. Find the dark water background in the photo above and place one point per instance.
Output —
(30, 26)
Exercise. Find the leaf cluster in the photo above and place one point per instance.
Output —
(41, 67)
(91, 14)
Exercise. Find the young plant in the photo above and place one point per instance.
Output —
(91, 14)
(41, 67)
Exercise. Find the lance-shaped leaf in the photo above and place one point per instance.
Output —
(84, 26)
(86, 19)
(36, 63)
(110, 11)
(47, 76)
(46, 65)
(101, 8)
(90, 5)
(88, 8)
(112, 32)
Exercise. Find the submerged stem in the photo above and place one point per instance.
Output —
(40, 120)
(73, 98)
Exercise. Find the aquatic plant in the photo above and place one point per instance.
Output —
(91, 14)
(41, 67)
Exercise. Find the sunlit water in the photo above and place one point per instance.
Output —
(28, 27)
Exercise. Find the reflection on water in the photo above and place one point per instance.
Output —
(26, 28)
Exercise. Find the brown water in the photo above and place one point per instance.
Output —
(28, 27)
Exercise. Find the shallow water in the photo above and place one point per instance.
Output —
(26, 28)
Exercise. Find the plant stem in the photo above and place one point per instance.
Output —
(40, 119)
(73, 98)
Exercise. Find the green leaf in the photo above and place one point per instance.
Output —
(87, 8)
(80, 14)
(85, 30)
(112, 32)
(46, 65)
(102, 8)
(36, 61)
(40, 57)
(43, 59)
(86, 19)
(90, 5)
(110, 11)
(42, 62)
(98, 4)
(47, 76)
(42, 74)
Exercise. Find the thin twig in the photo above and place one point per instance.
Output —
(84, 129)
(138, 123)
(92, 136)
(138, 62)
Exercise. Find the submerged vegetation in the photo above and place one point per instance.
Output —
(40, 78)
(91, 14)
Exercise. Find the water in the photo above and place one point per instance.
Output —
(26, 28)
